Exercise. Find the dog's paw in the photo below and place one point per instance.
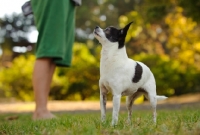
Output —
(114, 123)
(128, 122)
(103, 119)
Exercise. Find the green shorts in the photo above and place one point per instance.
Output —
(55, 21)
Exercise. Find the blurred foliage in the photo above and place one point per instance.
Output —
(169, 46)
(170, 78)
(81, 79)
(77, 83)
(15, 81)
(164, 35)
(191, 8)
(15, 27)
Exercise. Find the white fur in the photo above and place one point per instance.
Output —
(116, 73)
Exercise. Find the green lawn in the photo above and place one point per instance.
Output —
(169, 122)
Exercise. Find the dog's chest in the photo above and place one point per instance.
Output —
(117, 73)
(111, 68)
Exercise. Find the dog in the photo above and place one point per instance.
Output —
(121, 75)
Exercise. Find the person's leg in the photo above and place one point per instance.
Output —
(42, 77)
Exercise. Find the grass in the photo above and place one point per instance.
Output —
(185, 121)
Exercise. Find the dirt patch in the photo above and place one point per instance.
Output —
(86, 106)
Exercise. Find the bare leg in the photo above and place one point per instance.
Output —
(42, 77)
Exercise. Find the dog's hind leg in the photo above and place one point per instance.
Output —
(153, 102)
(150, 88)
(129, 102)
(116, 107)
(103, 99)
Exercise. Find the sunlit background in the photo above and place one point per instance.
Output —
(164, 35)
(12, 8)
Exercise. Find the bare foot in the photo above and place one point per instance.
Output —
(45, 114)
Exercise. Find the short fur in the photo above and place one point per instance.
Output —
(121, 75)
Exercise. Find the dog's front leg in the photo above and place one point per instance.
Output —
(116, 107)
(103, 99)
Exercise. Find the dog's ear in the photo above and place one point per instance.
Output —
(122, 35)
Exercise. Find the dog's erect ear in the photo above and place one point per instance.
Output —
(125, 29)
(122, 35)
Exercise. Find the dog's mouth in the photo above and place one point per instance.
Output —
(96, 33)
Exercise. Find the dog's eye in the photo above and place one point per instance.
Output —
(106, 29)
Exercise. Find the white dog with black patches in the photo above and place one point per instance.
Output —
(121, 75)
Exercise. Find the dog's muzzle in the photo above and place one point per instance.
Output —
(96, 30)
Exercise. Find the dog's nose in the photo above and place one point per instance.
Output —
(96, 27)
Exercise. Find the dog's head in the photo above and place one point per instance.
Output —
(111, 35)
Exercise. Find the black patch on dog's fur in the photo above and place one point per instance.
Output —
(117, 35)
(112, 34)
(138, 73)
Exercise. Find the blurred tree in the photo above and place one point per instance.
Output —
(15, 81)
(77, 83)
(174, 38)
(83, 76)
(100, 12)
(183, 40)
(170, 80)
(191, 8)
(16, 27)
(164, 35)
(13, 33)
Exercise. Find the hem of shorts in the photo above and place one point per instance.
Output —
(55, 58)
(63, 64)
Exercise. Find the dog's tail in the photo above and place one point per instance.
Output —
(161, 98)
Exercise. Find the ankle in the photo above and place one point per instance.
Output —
(42, 114)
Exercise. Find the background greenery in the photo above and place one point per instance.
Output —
(164, 35)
